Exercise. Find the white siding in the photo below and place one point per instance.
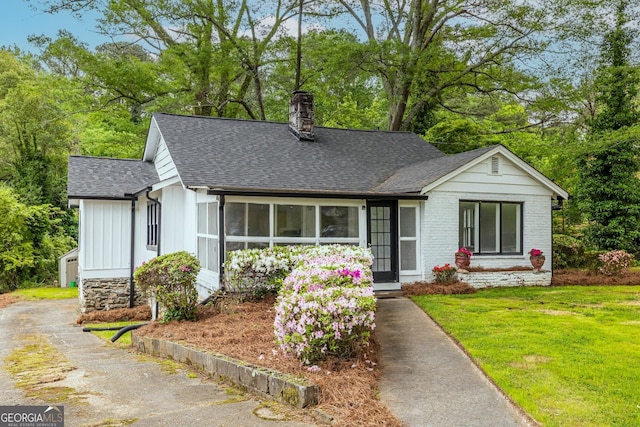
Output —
(105, 233)
(439, 225)
(163, 162)
(510, 180)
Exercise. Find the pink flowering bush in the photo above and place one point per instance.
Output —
(326, 306)
(171, 279)
(615, 263)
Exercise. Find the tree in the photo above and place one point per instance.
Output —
(35, 131)
(422, 49)
(609, 191)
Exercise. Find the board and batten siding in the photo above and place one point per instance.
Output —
(105, 239)
(440, 227)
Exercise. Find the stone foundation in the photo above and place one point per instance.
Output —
(107, 294)
(485, 279)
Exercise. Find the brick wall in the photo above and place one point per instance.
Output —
(439, 230)
(485, 279)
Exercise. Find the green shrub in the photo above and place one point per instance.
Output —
(568, 252)
(171, 278)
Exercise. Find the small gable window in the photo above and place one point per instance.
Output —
(491, 227)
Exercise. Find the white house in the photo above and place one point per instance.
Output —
(211, 185)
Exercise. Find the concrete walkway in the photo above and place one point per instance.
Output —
(427, 380)
(112, 386)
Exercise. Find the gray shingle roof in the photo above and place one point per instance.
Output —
(99, 177)
(265, 156)
(415, 177)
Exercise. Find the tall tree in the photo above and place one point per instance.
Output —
(421, 49)
(609, 191)
(35, 131)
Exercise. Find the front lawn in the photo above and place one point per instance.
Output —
(46, 293)
(569, 356)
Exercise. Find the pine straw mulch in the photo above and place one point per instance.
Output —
(348, 389)
(591, 278)
(140, 313)
(430, 288)
(7, 299)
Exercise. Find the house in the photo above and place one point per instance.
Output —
(211, 185)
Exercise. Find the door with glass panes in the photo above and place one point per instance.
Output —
(382, 222)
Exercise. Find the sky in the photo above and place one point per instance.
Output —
(18, 20)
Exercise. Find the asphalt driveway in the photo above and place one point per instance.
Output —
(111, 386)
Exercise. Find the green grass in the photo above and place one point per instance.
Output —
(46, 293)
(569, 356)
(123, 341)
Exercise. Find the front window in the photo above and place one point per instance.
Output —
(491, 227)
(261, 225)
(408, 238)
(208, 236)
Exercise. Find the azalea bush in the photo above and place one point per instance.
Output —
(445, 273)
(615, 263)
(259, 272)
(171, 279)
(326, 306)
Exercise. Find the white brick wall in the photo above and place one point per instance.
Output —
(439, 229)
(485, 279)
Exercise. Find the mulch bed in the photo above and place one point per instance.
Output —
(7, 299)
(430, 288)
(591, 278)
(140, 313)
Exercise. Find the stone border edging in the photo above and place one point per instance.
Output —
(254, 378)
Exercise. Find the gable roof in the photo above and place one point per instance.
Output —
(106, 178)
(415, 177)
(231, 154)
(423, 176)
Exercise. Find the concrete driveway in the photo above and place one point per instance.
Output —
(111, 386)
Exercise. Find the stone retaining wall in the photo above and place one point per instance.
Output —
(107, 294)
(485, 279)
(284, 388)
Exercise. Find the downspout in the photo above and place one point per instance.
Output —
(221, 241)
(132, 253)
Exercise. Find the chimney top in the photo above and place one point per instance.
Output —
(301, 115)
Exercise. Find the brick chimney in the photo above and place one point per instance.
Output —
(301, 115)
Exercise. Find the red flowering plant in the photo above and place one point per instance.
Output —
(464, 251)
(445, 274)
(535, 252)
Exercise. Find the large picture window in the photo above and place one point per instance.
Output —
(491, 227)
(260, 225)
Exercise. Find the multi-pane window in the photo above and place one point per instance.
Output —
(152, 224)
(491, 227)
(208, 236)
(260, 225)
(408, 238)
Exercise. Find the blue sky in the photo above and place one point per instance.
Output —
(18, 20)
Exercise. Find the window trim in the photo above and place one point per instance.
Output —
(477, 224)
